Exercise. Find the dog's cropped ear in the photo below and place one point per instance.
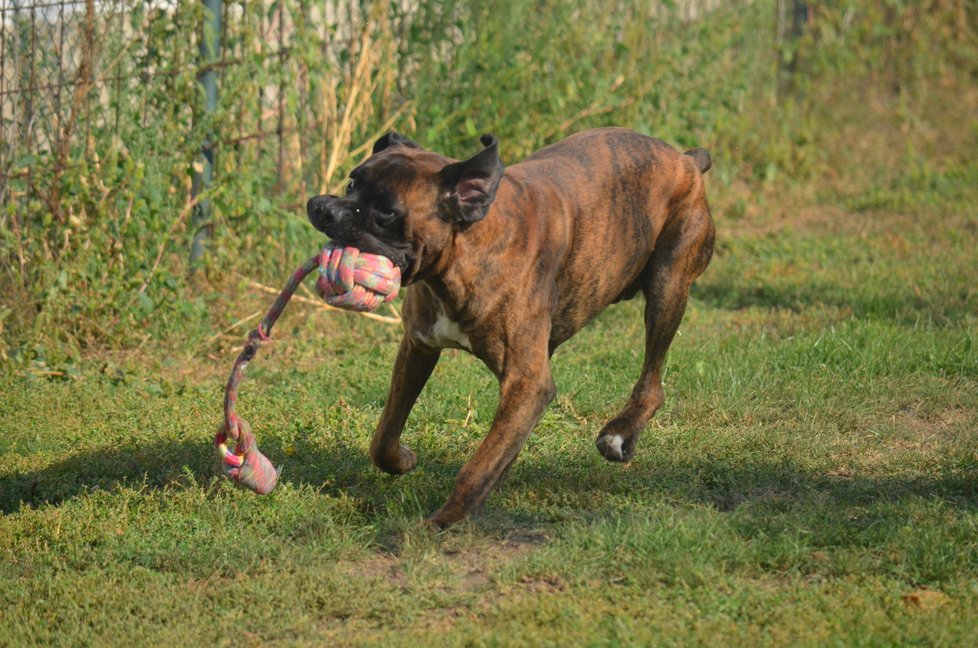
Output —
(469, 186)
(393, 138)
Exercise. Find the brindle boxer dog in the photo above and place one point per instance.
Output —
(509, 263)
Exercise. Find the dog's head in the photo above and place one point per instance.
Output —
(405, 202)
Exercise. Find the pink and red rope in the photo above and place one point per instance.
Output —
(348, 279)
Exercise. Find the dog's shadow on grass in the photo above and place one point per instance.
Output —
(901, 307)
(84, 471)
(176, 464)
(723, 484)
(729, 484)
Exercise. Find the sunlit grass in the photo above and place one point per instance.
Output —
(812, 478)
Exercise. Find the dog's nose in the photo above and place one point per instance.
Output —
(316, 204)
(321, 213)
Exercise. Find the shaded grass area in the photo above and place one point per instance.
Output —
(812, 479)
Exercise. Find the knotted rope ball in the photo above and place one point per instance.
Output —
(355, 280)
(349, 279)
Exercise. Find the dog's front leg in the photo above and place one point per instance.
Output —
(412, 368)
(525, 389)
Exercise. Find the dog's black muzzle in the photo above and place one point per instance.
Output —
(347, 222)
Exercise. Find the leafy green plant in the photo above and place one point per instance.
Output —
(96, 230)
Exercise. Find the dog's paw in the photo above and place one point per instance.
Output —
(397, 463)
(616, 447)
(445, 517)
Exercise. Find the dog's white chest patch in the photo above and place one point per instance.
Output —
(444, 333)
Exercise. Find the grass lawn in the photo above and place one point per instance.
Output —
(812, 479)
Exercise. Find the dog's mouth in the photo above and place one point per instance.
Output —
(410, 270)
(327, 216)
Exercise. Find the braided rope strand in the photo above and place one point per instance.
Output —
(348, 279)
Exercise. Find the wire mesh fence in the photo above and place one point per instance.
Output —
(105, 131)
(106, 136)
(78, 74)
(81, 75)
(44, 62)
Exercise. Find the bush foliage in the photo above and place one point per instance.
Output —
(96, 233)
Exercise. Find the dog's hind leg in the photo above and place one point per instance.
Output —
(682, 252)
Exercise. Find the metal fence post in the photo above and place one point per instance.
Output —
(210, 51)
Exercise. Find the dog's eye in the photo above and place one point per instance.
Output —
(386, 217)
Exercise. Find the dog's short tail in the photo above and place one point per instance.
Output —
(702, 158)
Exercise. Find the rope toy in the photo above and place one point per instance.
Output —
(356, 280)
(348, 278)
